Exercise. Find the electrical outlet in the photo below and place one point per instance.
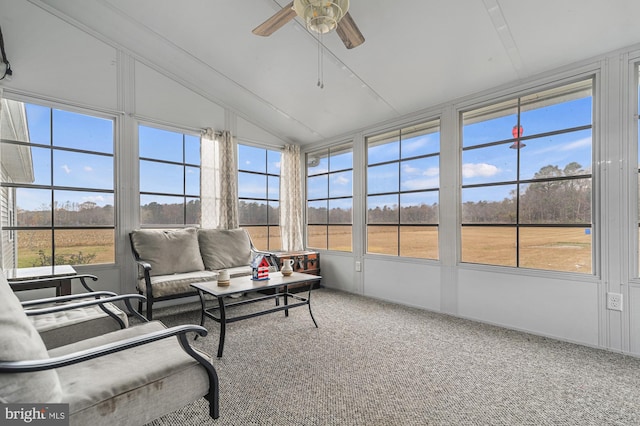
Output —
(614, 301)
(358, 266)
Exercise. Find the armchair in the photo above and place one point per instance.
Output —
(129, 376)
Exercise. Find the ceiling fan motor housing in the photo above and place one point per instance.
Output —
(321, 16)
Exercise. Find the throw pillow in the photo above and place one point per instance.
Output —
(224, 248)
(168, 251)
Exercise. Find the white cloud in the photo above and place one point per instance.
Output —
(421, 183)
(471, 170)
(577, 144)
(341, 180)
(432, 171)
(88, 168)
(66, 169)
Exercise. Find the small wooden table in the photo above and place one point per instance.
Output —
(248, 285)
(60, 274)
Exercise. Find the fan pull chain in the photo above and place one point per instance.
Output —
(320, 62)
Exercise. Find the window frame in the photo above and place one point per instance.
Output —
(421, 127)
(328, 153)
(518, 182)
(13, 228)
(183, 164)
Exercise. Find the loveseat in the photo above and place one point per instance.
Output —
(170, 260)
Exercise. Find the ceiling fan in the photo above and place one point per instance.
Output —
(320, 16)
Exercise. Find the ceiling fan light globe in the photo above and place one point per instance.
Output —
(321, 16)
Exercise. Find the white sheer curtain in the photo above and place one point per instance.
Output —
(218, 177)
(1, 232)
(291, 213)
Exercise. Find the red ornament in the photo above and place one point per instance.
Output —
(517, 131)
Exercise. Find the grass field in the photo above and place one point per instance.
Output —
(556, 249)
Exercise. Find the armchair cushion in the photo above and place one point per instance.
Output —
(168, 251)
(224, 248)
(123, 389)
(20, 341)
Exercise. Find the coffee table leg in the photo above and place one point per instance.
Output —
(286, 300)
(309, 303)
(223, 326)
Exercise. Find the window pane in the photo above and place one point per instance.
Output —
(420, 140)
(79, 131)
(317, 163)
(259, 236)
(317, 237)
(34, 248)
(340, 210)
(546, 113)
(160, 144)
(253, 212)
(423, 173)
(79, 170)
(86, 246)
(490, 124)
(273, 212)
(382, 209)
(491, 204)
(341, 184)
(161, 177)
(273, 187)
(341, 160)
(33, 207)
(251, 185)
(317, 187)
(275, 240)
(382, 240)
(81, 208)
(563, 201)
(491, 245)
(39, 121)
(383, 148)
(317, 212)
(26, 164)
(556, 249)
(161, 210)
(419, 207)
(273, 162)
(384, 178)
(192, 150)
(193, 211)
(192, 181)
(491, 164)
(340, 238)
(252, 159)
(563, 154)
(419, 242)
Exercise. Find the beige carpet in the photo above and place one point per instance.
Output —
(377, 363)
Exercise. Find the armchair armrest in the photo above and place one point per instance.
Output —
(179, 331)
(97, 301)
(96, 294)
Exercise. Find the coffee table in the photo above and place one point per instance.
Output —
(246, 284)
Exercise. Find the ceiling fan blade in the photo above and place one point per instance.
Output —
(276, 22)
(349, 32)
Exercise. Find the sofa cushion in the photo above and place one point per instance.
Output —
(20, 342)
(134, 386)
(224, 248)
(169, 285)
(61, 328)
(168, 251)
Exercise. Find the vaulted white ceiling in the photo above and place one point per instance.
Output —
(417, 53)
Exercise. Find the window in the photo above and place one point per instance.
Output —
(57, 186)
(330, 198)
(403, 179)
(526, 181)
(169, 177)
(259, 195)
